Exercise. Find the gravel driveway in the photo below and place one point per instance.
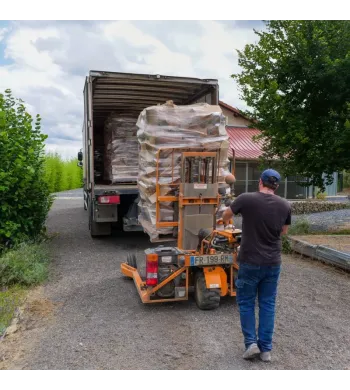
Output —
(100, 323)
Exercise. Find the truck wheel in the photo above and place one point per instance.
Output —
(205, 299)
(131, 260)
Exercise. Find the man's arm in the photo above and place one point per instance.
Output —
(235, 208)
(287, 223)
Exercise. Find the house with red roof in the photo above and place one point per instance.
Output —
(244, 155)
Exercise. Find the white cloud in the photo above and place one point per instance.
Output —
(49, 60)
(158, 59)
(21, 49)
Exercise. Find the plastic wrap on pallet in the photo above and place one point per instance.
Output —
(198, 127)
(121, 149)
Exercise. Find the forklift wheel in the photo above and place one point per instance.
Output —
(206, 299)
(131, 260)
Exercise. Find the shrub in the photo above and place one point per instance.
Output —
(321, 196)
(24, 193)
(300, 226)
(286, 247)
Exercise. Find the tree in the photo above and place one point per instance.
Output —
(24, 194)
(296, 83)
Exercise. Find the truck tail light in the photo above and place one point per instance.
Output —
(109, 199)
(152, 270)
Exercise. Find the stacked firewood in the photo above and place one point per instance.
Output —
(121, 149)
(163, 128)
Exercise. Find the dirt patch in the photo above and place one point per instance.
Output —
(41, 308)
(34, 314)
(340, 243)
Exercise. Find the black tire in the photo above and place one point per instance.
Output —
(205, 299)
(131, 260)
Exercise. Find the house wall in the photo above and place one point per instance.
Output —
(232, 120)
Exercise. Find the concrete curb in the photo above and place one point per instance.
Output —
(322, 253)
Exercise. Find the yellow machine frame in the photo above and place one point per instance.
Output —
(214, 275)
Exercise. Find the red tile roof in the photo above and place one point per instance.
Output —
(241, 141)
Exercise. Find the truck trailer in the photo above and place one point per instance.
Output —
(115, 204)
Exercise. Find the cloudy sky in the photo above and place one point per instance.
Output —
(45, 63)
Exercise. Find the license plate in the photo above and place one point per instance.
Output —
(211, 259)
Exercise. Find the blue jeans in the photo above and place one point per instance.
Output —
(261, 281)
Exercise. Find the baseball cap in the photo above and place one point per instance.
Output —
(270, 176)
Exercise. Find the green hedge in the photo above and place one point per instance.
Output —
(24, 193)
(62, 175)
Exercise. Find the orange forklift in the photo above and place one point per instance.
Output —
(205, 258)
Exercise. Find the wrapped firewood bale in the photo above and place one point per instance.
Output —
(198, 127)
(121, 149)
(98, 164)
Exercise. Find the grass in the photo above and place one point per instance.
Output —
(10, 299)
(23, 266)
(62, 175)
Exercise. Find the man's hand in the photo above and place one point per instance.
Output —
(284, 230)
(227, 216)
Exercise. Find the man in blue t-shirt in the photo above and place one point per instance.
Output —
(266, 217)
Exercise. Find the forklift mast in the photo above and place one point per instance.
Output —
(196, 197)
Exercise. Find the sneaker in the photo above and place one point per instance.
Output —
(252, 351)
(265, 356)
